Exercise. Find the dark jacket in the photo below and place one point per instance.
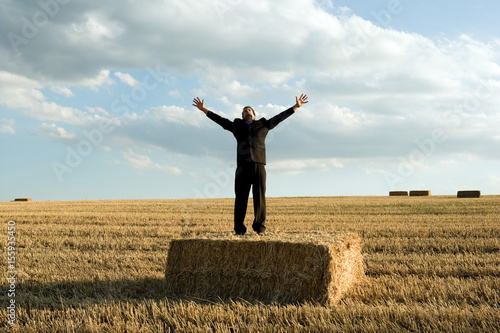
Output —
(251, 145)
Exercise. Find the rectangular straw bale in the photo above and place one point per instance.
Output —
(266, 269)
(22, 199)
(398, 193)
(420, 193)
(469, 194)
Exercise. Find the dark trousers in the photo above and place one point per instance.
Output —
(250, 175)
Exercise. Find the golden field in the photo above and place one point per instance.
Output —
(432, 264)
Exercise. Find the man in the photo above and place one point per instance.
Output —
(250, 136)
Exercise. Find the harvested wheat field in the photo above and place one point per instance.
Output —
(431, 264)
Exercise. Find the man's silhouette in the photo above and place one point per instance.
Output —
(250, 137)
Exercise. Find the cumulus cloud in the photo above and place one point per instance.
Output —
(341, 55)
(62, 90)
(144, 162)
(174, 114)
(26, 97)
(97, 110)
(127, 79)
(56, 133)
(94, 27)
(100, 80)
(329, 117)
(295, 166)
(18, 92)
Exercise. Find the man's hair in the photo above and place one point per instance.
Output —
(247, 107)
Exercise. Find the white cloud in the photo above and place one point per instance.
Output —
(295, 166)
(55, 112)
(56, 133)
(17, 91)
(24, 95)
(62, 90)
(144, 162)
(251, 45)
(95, 27)
(7, 126)
(330, 117)
(94, 83)
(175, 114)
(97, 110)
(127, 79)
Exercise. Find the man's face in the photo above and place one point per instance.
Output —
(248, 114)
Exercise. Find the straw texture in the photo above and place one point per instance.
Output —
(267, 269)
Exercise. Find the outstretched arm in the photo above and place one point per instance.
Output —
(274, 121)
(225, 123)
(200, 104)
(300, 101)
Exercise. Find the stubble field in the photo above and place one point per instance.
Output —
(432, 264)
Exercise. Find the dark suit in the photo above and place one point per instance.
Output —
(251, 159)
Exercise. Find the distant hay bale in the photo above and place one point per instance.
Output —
(265, 269)
(398, 193)
(469, 194)
(420, 193)
(22, 199)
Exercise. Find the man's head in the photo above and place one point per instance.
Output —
(248, 114)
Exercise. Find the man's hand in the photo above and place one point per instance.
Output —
(300, 101)
(200, 104)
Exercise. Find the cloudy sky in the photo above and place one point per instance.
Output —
(95, 96)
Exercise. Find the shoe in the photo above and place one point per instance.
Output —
(259, 229)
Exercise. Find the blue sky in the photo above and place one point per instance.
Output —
(95, 97)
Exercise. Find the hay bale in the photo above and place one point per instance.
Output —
(398, 193)
(266, 269)
(469, 194)
(420, 193)
(22, 199)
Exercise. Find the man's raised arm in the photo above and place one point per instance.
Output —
(225, 123)
(274, 121)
